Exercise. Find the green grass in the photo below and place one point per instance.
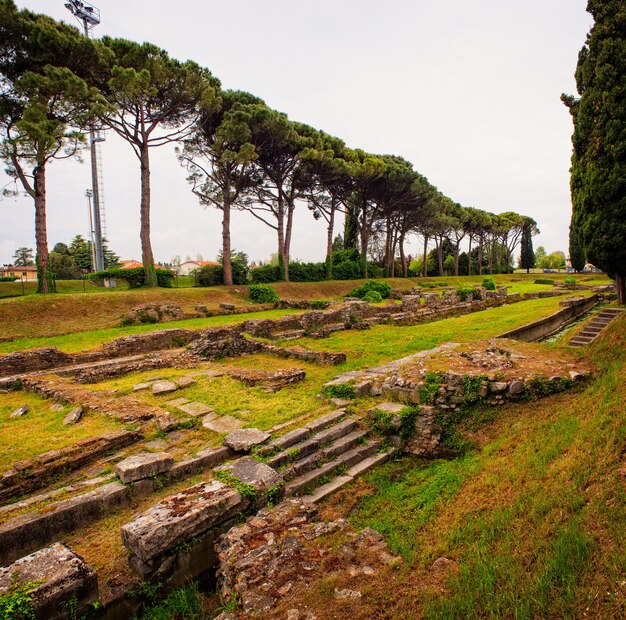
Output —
(41, 429)
(535, 520)
(79, 341)
(182, 604)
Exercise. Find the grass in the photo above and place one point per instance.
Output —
(41, 429)
(71, 311)
(79, 341)
(534, 518)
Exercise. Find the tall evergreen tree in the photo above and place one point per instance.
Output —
(527, 257)
(598, 179)
(576, 254)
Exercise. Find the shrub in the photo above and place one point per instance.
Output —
(135, 277)
(347, 255)
(210, 275)
(341, 390)
(570, 281)
(375, 271)
(489, 284)
(464, 290)
(265, 274)
(262, 294)
(307, 272)
(543, 281)
(319, 304)
(382, 288)
(372, 297)
(8, 278)
(347, 270)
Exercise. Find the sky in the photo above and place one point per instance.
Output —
(469, 92)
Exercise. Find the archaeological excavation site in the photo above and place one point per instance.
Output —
(242, 463)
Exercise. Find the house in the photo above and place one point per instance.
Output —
(188, 266)
(129, 264)
(26, 273)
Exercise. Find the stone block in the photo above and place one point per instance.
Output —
(223, 424)
(73, 416)
(181, 517)
(164, 387)
(184, 382)
(176, 402)
(28, 532)
(20, 411)
(229, 307)
(143, 466)
(244, 439)
(61, 577)
(516, 388)
(195, 409)
(388, 407)
(259, 476)
(497, 387)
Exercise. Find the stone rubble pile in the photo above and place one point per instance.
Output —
(281, 550)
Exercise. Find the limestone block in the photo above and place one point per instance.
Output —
(20, 411)
(143, 466)
(223, 424)
(180, 518)
(164, 387)
(184, 382)
(242, 440)
(195, 409)
(60, 575)
(498, 386)
(73, 416)
(260, 476)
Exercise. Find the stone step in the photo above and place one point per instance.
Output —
(337, 483)
(368, 463)
(338, 447)
(347, 459)
(312, 444)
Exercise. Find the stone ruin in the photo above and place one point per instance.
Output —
(153, 312)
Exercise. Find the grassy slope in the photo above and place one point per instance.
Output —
(51, 315)
(535, 519)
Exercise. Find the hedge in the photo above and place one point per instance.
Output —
(136, 276)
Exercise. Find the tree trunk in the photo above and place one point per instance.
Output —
(440, 255)
(481, 244)
(146, 247)
(287, 246)
(456, 261)
(469, 257)
(364, 240)
(280, 231)
(226, 262)
(45, 280)
(620, 287)
(405, 267)
(329, 242)
(388, 259)
(425, 259)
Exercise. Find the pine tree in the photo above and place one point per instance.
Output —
(598, 181)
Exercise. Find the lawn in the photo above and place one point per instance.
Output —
(71, 311)
(533, 518)
(42, 429)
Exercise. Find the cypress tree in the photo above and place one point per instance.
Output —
(598, 178)
(576, 254)
(527, 258)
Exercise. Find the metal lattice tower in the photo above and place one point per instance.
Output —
(89, 16)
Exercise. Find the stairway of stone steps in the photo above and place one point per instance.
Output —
(595, 326)
(320, 458)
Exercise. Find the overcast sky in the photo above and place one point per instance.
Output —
(467, 91)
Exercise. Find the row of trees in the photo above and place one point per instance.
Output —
(238, 152)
